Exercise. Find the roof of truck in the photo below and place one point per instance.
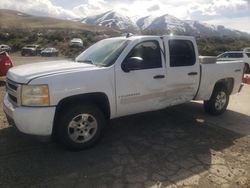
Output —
(134, 37)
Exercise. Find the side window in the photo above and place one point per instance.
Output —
(235, 55)
(225, 55)
(248, 55)
(238, 55)
(230, 55)
(147, 54)
(182, 53)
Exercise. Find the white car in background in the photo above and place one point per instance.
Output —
(50, 52)
(5, 48)
(76, 42)
(247, 50)
(237, 56)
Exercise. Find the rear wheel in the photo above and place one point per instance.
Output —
(80, 127)
(218, 102)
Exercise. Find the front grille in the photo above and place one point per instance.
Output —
(14, 99)
(12, 86)
(12, 90)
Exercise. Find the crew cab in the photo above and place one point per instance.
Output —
(72, 100)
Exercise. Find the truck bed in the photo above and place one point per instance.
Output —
(211, 73)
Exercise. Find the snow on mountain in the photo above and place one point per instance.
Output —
(207, 29)
(165, 22)
(111, 19)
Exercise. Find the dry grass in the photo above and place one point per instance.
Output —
(15, 19)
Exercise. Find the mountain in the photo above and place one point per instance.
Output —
(16, 19)
(171, 23)
(111, 19)
(207, 29)
(163, 23)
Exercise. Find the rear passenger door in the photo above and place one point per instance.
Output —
(183, 69)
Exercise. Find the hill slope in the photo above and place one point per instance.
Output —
(15, 19)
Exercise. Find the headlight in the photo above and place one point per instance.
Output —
(35, 95)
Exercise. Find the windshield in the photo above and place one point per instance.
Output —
(104, 53)
(30, 46)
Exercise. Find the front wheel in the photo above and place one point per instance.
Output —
(80, 127)
(218, 102)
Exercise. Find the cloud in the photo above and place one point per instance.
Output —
(234, 23)
(37, 7)
(201, 10)
(153, 8)
(91, 7)
(219, 8)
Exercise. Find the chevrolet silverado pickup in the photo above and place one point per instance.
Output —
(72, 100)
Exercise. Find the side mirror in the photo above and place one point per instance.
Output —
(132, 63)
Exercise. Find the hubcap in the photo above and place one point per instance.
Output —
(82, 128)
(221, 100)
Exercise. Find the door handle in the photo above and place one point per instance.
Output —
(159, 76)
(237, 70)
(192, 73)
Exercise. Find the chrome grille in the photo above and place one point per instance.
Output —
(13, 91)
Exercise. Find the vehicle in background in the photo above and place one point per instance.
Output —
(73, 100)
(5, 63)
(247, 50)
(49, 52)
(76, 42)
(237, 56)
(5, 48)
(31, 50)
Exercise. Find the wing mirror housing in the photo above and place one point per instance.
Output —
(132, 63)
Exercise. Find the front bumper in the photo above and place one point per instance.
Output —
(30, 120)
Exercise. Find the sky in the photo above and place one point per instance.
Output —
(230, 13)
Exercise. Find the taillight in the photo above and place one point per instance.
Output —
(7, 63)
(5, 59)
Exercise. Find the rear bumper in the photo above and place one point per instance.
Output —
(34, 121)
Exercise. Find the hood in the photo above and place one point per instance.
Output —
(25, 73)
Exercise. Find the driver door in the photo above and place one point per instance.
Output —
(142, 86)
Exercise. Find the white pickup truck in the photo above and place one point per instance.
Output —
(72, 100)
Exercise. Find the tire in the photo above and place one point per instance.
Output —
(218, 102)
(80, 127)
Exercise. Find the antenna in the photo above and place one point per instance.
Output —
(129, 35)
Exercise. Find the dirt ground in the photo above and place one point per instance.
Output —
(177, 147)
(17, 59)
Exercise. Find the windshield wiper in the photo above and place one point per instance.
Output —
(85, 61)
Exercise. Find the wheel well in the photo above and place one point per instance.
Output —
(248, 68)
(99, 99)
(228, 83)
